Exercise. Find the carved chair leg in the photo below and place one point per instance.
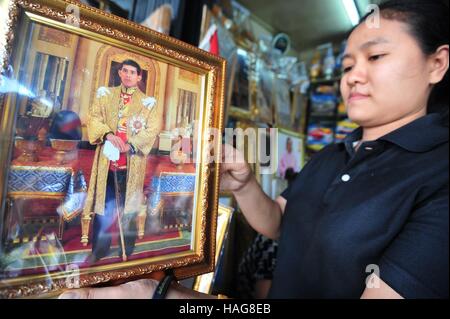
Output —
(141, 218)
(85, 223)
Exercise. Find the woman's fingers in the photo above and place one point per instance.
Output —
(234, 170)
(141, 289)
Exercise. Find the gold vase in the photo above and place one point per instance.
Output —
(66, 150)
(28, 150)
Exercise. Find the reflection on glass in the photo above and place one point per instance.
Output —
(70, 201)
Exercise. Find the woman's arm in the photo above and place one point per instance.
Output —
(381, 291)
(261, 212)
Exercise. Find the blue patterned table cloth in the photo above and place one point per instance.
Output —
(55, 182)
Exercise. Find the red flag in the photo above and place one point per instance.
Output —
(214, 44)
(210, 42)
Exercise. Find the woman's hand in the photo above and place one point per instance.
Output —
(235, 172)
(140, 289)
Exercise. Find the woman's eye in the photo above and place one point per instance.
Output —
(376, 57)
(347, 69)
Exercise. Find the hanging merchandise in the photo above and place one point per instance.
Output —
(282, 42)
(242, 28)
(300, 87)
(300, 77)
(160, 20)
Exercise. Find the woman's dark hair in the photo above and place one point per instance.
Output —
(428, 22)
(66, 126)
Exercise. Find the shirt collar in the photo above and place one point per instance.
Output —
(128, 91)
(354, 136)
(418, 136)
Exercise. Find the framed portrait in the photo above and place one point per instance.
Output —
(283, 104)
(241, 105)
(263, 92)
(290, 159)
(88, 100)
(299, 110)
(204, 283)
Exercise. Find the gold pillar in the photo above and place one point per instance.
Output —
(168, 100)
(78, 74)
(42, 70)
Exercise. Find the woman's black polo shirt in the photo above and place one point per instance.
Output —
(384, 206)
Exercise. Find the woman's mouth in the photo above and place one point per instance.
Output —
(356, 97)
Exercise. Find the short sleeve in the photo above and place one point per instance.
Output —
(286, 193)
(416, 263)
(305, 173)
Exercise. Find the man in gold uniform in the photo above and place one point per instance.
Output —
(127, 118)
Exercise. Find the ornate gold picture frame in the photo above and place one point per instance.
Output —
(204, 283)
(77, 86)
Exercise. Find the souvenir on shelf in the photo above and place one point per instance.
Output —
(320, 135)
(329, 64)
(323, 104)
(316, 66)
(343, 128)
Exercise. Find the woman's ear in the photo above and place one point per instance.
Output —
(439, 63)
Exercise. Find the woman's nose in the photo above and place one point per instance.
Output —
(357, 75)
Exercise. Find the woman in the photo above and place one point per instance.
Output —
(373, 209)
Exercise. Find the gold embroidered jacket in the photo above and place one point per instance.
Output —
(103, 118)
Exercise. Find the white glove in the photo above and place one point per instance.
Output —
(111, 152)
(102, 91)
(149, 102)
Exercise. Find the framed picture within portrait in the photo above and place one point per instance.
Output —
(86, 195)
